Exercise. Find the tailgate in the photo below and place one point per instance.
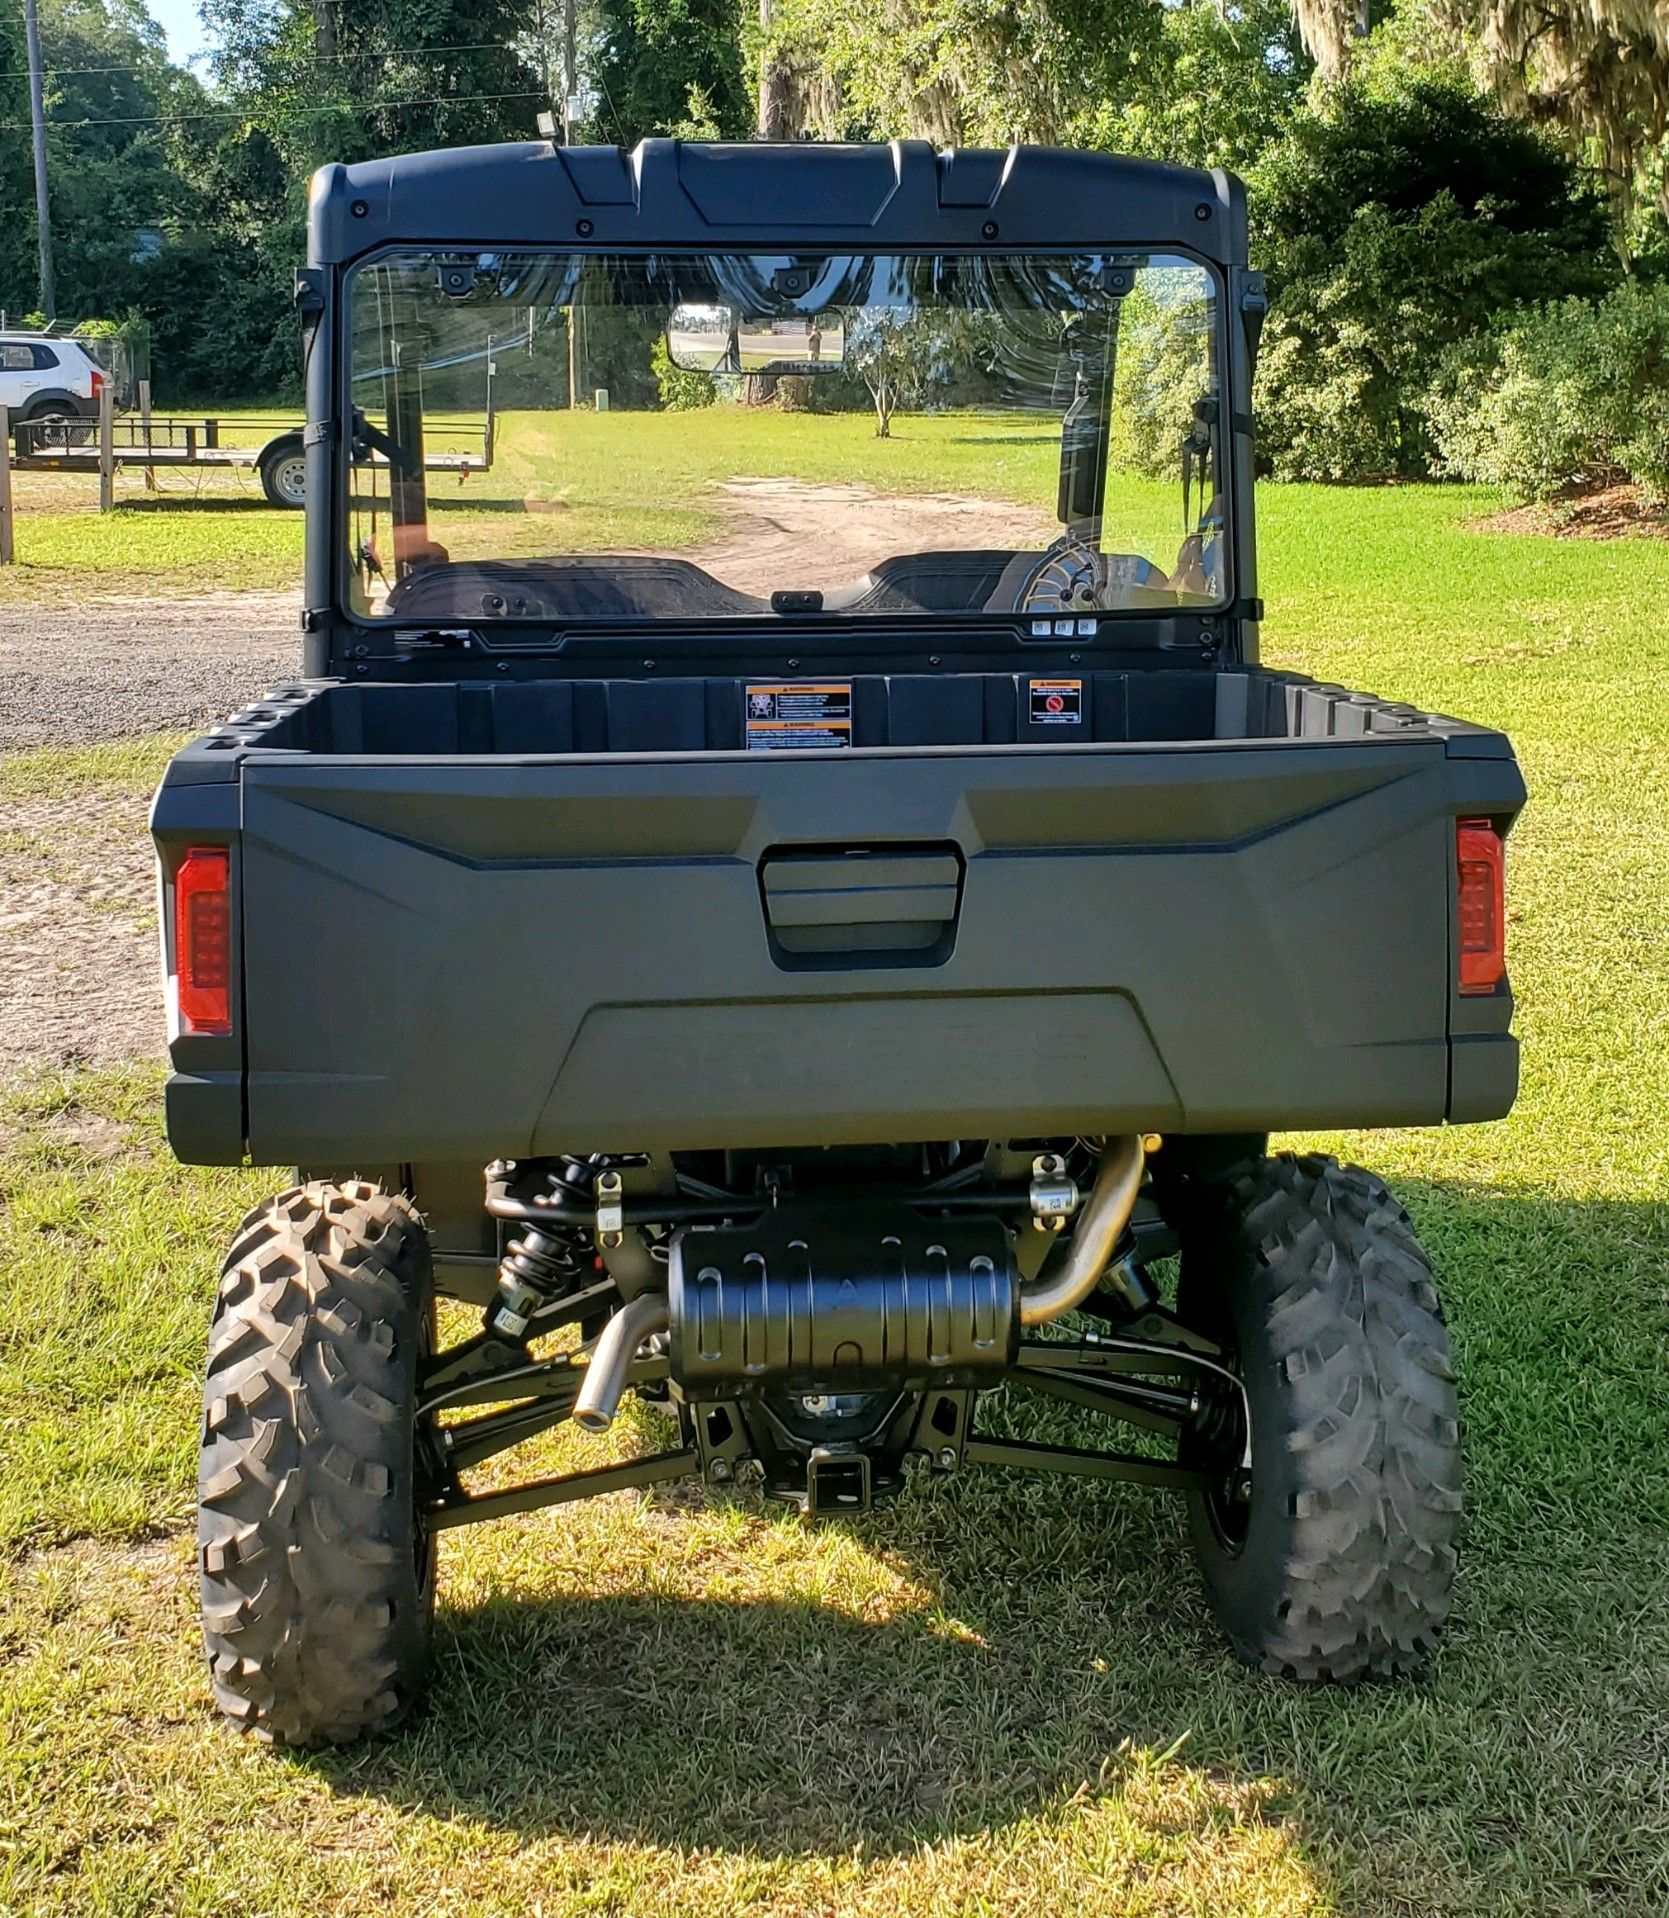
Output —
(465, 958)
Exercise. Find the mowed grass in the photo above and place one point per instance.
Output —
(561, 482)
(1003, 1696)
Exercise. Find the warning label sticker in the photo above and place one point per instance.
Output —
(1057, 702)
(783, 718)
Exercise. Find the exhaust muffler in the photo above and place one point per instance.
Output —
(853, 1296)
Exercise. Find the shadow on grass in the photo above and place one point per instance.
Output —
(463, 501)
(202, 503)
(1051, 1635)
(783, 1726)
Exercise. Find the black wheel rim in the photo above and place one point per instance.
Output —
(1218, 1442)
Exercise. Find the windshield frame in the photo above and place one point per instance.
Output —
(893, 635)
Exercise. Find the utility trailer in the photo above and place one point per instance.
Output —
(822, 955)
(274, 448)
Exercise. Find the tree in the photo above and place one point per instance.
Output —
(882, 348)
(1217, 86)
(303, 82)
(17, 218)
(111, 99)
(352, 79)
(906, 351)
(1597, 70)
(1395, 220)
(133, 217)
(671, 66)
(1206, 81)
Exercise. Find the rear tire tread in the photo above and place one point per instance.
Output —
(316, 1611)
(1340, 1304)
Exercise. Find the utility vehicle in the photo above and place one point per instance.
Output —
(804, 906)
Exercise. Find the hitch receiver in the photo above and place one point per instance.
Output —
(837, 1481)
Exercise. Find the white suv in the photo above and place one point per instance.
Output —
(50, 387)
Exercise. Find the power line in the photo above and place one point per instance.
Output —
(297, 113)
(301, 60)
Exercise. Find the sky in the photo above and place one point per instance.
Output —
(180, 22)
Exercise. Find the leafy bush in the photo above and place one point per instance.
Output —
(681, 391)
(1567, 395)
(1395, 220)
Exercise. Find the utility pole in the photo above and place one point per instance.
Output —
(570, 67)
(570, 86)
(37, 124)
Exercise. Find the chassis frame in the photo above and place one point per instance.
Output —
(1155, 1375)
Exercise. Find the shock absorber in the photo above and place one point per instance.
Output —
(545, 1262)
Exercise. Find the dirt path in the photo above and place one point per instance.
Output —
(78, 961)
(110, 669)
(78, 958)
(788, 533)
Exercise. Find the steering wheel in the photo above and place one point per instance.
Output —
(1071, 576)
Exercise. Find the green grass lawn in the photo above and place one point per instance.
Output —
(1004, 1697)
(561, 482)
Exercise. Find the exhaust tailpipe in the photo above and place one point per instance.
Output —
(1072, 1271)
(611, 1357)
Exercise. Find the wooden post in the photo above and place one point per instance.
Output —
(107, 447)
(145, 430)
(6, 552)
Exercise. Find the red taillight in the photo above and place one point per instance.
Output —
(1481, 866)
(98, 384)
(203, 939)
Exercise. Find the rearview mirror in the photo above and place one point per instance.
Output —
(717, 339)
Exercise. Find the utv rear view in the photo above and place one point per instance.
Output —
(796, 900)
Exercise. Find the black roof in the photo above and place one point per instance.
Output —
(668, 193)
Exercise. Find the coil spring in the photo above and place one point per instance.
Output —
(551, 1263)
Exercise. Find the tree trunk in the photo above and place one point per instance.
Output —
(775, 116)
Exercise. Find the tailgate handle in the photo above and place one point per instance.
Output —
(859, 906)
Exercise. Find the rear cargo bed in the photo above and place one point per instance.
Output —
(1228, 909)
(577, 715)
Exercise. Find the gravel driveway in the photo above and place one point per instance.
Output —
(78, 954)
(78, 961)
(110, 669)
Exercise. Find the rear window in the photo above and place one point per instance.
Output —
(684, 435)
